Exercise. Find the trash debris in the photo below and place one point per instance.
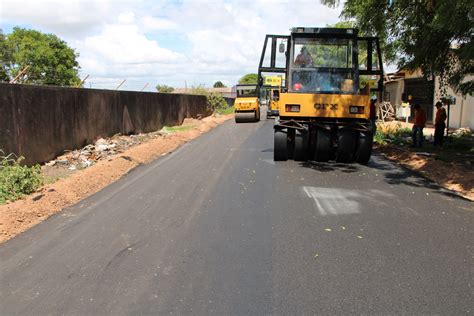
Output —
(462, 131)
(102, 149)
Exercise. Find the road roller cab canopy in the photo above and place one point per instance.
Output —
(247, 90)
(323, 60)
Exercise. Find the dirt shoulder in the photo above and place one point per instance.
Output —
(71, 187)
(454, 176)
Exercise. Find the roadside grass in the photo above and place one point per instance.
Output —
(225, 110)
(177, 129)
(456, 148)
(17, 180)
(392, 134)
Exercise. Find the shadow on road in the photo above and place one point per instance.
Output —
(392, 174)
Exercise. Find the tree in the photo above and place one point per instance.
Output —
(434, 36)
(249, 79)
(4, 58)
(162, 88)
(51, 61)
(215, 101)
(219, 84)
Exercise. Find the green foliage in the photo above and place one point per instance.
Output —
(393, 134)
(4, 58)
(199, 90)
(380, 138)
(226, 110)
(461, 142)
(162, 88)
(176, 129)
(249, 79)
(51, 61)
(215, 101)
(17, 180)
(219, 84)
(421, 34)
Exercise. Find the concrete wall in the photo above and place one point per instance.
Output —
(40, 122)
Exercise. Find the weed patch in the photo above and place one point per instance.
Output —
(17, 180)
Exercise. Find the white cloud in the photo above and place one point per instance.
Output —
(124, 44)
(151, 24)
(70, 18)
(206, 41)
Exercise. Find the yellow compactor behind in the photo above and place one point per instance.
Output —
(247, 105)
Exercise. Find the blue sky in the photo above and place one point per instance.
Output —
(164, 42)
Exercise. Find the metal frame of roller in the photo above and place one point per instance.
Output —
(324, 112)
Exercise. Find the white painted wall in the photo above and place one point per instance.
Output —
(461, 113)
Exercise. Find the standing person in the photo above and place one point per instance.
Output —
(418, 125)
(439, 124)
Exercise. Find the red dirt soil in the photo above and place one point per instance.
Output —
(452, 176)
(18, 216)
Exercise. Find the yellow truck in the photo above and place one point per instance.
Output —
(247, 105)
(325, 110)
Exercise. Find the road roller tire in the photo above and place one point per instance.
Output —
(300, 152)
(244, 117)
(346, 146)
(322, 150)
(280, 148)
(364, 148)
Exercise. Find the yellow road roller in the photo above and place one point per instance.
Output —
(271, 87)
(247, 105)
(332, 80)
(273, 107)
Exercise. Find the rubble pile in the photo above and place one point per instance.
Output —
(463, 131)
(101, 149)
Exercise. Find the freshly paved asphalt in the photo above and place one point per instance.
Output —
(218, 228)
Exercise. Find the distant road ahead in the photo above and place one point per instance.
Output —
(218, 228)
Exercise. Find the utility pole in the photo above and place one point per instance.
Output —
(82, 81)
(120, 84)
(146, 85)
(20, 74)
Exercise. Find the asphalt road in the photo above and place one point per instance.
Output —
(218, 228)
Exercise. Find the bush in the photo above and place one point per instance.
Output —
(17, 180)
(215, 101)
(391, 133)
(380, 138)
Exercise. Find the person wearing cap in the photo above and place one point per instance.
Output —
(418, 125)
(440, 124)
